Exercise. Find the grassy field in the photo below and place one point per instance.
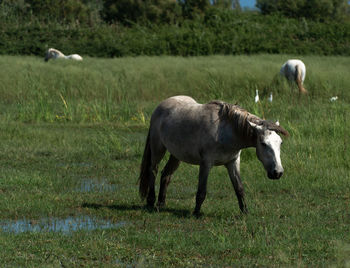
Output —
(72, 136)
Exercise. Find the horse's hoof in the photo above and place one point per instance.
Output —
(150, 203)
(244, 211)
(197, 214)
(160, 205)
(149, 208)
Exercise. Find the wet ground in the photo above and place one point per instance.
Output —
(101, 185)
(66, 226)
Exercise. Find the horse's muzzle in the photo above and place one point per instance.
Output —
(275, 175)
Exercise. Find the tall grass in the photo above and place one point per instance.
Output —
(115, 90)
(64, 122)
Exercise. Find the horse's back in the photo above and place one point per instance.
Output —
(182, 125)
(75, 57)
(180, 100)
(176, 106)
(176, 110)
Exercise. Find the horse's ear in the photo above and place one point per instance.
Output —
(280, 130)
(256, 126)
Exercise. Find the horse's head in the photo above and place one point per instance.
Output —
(268, 147)
(52, 54)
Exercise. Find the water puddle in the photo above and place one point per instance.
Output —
(66, 226)
(90, 185)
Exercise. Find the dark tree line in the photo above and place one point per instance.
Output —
(129, 12)
(106, 28)
(321, 10)
(125, 12)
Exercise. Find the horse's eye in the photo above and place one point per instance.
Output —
(263, 144)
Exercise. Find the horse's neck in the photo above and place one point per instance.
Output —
(245, 141)
(58, 54)
(248, 142)
(245, 134)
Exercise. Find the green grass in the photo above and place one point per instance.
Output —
(63, 122)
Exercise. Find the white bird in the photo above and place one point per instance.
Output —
(277, 123)
(256, 96)
(56, 54)
(333, 98)
(270, 97)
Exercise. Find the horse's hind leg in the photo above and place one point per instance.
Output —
(157, 153)
(170, 167)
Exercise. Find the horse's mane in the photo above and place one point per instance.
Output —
(54, 50)
(240, 118)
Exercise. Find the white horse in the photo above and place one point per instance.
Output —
(294, 71)
(56, 54)
(207, 135)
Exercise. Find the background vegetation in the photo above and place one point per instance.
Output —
(72, 136)
(169, 27)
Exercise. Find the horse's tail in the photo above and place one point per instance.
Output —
(298, 80)
(145, 169)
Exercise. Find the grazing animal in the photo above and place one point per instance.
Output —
(56, 54)
(207, 135)
(295, 71)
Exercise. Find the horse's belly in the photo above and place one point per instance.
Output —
(224, 159)
(192, 156)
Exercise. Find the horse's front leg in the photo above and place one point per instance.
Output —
(202, 186)
(233, 169)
